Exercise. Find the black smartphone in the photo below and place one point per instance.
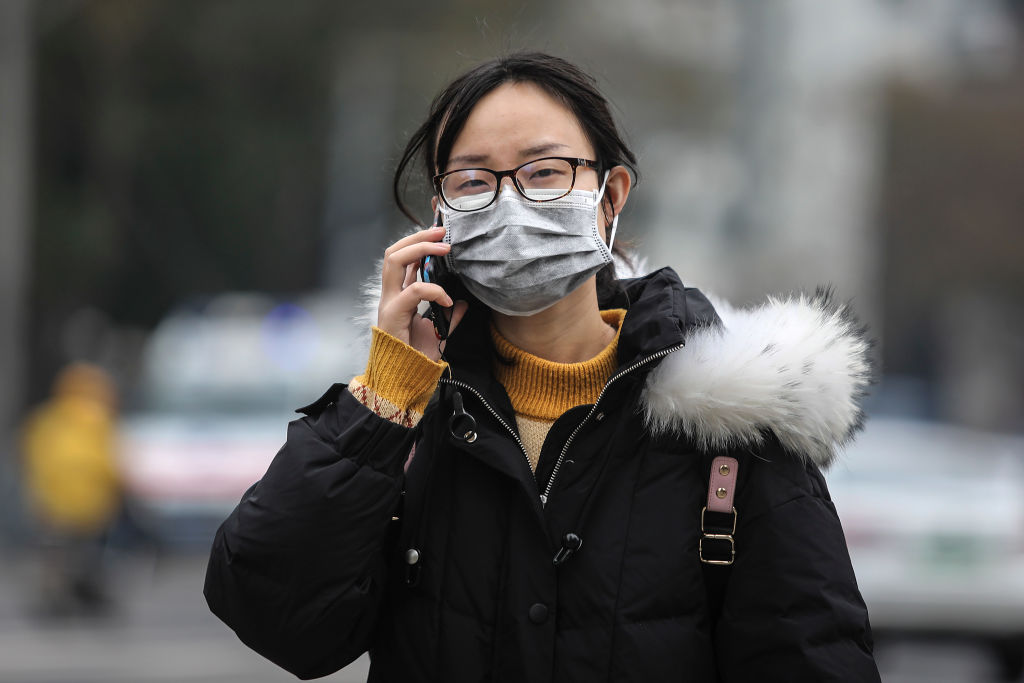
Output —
(434, 270)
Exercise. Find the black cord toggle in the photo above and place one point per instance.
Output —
(570, 544)
(461, 424)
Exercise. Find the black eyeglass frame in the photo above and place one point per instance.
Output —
(575, 162)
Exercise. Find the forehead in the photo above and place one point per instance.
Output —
(509, 123)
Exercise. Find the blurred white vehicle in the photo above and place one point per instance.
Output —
(934, 519)
(219, 384)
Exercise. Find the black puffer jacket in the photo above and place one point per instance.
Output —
(311, 569)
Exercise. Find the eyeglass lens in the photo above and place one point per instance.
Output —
(541, 180)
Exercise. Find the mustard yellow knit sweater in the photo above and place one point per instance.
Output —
(399, 381)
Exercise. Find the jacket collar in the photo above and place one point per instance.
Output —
(798, 367)
(660, 314)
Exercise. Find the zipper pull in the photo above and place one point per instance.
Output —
(461, 424)
(570, 544)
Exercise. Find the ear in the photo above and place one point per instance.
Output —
(616, 191)
(617, 188)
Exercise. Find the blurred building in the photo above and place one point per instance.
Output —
(772, 181)
(779, 156)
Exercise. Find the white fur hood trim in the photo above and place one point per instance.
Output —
(797, 366)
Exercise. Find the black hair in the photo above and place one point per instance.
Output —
(564, 81)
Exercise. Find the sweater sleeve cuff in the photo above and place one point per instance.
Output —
(399, 380)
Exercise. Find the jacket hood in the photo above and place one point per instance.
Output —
(796, 366)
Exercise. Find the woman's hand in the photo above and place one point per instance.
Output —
(401, 293)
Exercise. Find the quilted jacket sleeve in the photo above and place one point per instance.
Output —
(298, 568)
(792, 610)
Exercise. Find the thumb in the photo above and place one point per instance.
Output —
(458, 310)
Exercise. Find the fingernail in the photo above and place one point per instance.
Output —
(449, 300)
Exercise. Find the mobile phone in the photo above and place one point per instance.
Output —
(434, 270)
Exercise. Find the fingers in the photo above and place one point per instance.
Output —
(407, 252)
(396, 314)
(401, 293)
(431, 234)
(410, 274)
(425, 291)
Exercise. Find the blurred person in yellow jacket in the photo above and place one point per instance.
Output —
(73, 485)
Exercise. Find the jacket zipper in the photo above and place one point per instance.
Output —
(501, 421)
(565, 449)
(593, 408)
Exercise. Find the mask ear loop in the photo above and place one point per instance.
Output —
(615, 220)
(604, 184)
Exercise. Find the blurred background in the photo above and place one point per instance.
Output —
(191, 194)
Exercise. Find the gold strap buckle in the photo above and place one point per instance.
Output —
(721, 549)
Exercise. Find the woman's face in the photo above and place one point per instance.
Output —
(518, 122)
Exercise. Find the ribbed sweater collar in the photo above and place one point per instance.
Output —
(542, 390)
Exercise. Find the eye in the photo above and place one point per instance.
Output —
(469, 185)
(471, 181)
(545, 173)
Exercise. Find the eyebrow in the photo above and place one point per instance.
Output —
(541, 149)
(527, 153)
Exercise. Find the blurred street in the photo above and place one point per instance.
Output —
(162, 632)
(194, 195)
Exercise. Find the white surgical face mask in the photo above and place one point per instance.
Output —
(519, 257)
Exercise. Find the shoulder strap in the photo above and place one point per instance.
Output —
(718, 518)
(717, 548)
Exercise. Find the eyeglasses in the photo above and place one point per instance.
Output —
(540, 180)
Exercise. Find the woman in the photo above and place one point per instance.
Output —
(526, 499)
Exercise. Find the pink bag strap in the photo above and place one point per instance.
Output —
(722, 483)
(717, 545)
